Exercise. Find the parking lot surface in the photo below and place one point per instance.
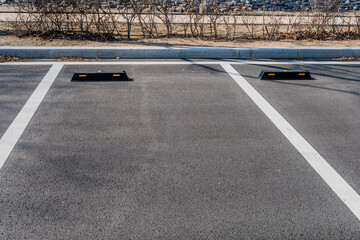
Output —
(184, 151)
(17, 83)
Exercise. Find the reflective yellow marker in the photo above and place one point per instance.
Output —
(271, 74)
(301, 74)
(116, 75)
(82, 75)
(99, 71)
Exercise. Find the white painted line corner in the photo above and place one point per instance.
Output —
(342, 189)
(17, 127)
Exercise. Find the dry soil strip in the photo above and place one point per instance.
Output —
(17, 127)
(344, 191)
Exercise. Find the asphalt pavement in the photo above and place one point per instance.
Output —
(180, 152)
(17, 83)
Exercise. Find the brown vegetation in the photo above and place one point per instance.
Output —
(11, 59)
(149, 19)
(347, 59)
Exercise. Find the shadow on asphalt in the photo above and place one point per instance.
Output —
(334, 71)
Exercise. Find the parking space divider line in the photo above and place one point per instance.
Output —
(342, 189)
(17, 127)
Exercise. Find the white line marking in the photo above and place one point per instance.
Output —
(184, 63)
(17, 127)
(344, 191)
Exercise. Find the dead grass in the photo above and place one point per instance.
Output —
(10, 40)
(7, 39)
(11, 59)
(77, 59)
(345, 59)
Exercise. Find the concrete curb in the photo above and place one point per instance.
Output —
(179, 52)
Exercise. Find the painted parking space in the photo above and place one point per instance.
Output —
(17, 83)
(179, 152)
(325, 110)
